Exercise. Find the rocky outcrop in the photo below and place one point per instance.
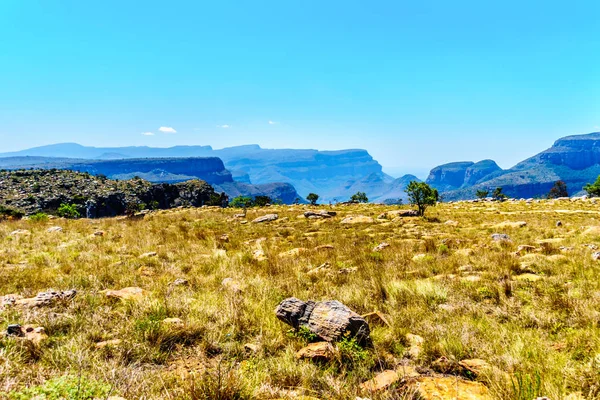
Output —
(479, 171)
(448, 176)
(45, 190)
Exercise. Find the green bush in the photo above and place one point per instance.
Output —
(359, 197)
(39, 217)
(65, 387)
(68, 211)
(421, 195)
(241, 202)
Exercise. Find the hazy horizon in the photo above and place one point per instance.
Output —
(417, 85)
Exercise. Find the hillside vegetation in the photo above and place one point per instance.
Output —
(495, 300)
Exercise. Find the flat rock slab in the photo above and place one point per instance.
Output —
(320, 351)
(449, 388)
(329, 320)
(128, 293)
(265, 218)
(359, 219)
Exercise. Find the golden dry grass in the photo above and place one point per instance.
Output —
(533, 317)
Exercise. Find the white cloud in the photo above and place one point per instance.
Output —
(224, 126)
(167, 129)
(273, 123)
(147, 133)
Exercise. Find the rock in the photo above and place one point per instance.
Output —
(324, 247)
(224, 238)
(179, 282)
(251, 347)
(596, 255)
(321, 269)
(443, 365)
(149, 254)
(293, 252)
(476, 366)
(376, 318)
(53, 229)
(419, 257)
(20, 232)
(415, 343)
(381, 381)
(381, 246)
(500, 237)
(126, 294)
(524, 248)
(172, 321)
(34, 334)
(108, 343)
(99, 233)
(359, 219)
(510, 224)
(265, 218)
(402, 213)
(329, 320)
(46, 298)
(451, 223)
(449, 388)
(320, 351)
(320, 214)
(559, 224)
(259, 255)
(232, 285)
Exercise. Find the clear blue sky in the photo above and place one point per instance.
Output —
(415, 83)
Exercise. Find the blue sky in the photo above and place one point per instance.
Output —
(415, 83)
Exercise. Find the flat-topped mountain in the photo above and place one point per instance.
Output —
(572, 159)
(323, 172)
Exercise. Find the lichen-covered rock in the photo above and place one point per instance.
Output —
(266, 218)
(329, 320)
(319, 351)
(320, 214)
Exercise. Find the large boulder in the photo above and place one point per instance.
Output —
(329, 320)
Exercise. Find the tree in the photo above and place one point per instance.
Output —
(68, 211)
(241, 202)
(262, 201)
(482, 193)
(558, 190)
(593, 189)
(421, 195)
(359, 197)
(312, 198)
(498, 195)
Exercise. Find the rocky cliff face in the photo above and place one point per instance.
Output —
(45, 190)
(479, 171)
(448, 176)
(573, 159)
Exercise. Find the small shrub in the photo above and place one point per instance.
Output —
(65, 387)
(39, 217)
(68, 211)
(9, 212)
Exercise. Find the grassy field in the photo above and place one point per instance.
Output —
(532, 315)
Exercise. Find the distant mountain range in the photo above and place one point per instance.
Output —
(572, 159)
(334, 175)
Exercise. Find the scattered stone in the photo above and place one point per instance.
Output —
(46, 298)
(319, 214)
(53, 229)
(34, 334)
(440, 388)
(451, 223)
(524, 248)
(232, 285)
(325, 247)
(293, 252)
(108, 343)
(20, 232)
(259, 255)
(415, 343)
(443, 365)
(321, 269)
(224, 238)
(559, 224)
(172, 321)
(381, 246)
(596, 255)
(149, 254)
(419, 257)
(402, 213)
(381, 381)
(329, 320)
(265, 218)
(319, 351)
(376, 318)
(126, 294)
(465, 252)
(179, 282)
(99, 233)
(359, 219)
(500, 237)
